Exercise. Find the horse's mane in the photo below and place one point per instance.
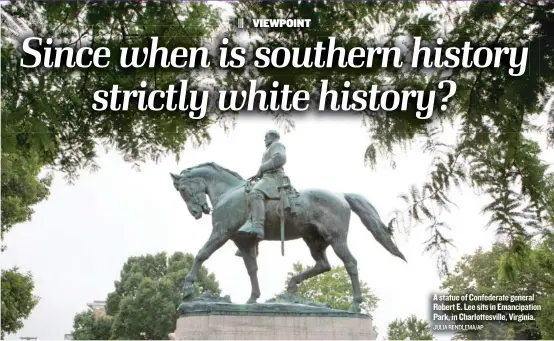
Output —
(214, 166)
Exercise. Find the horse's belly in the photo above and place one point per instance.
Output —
(293, 230)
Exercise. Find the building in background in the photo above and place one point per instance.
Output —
(98, 307)
(99, 310)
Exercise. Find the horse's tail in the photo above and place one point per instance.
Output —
(370, 218)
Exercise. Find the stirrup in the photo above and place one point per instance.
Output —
(252, 229)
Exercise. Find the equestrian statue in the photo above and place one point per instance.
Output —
(267, 207)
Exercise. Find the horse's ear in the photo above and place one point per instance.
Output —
(175, 177)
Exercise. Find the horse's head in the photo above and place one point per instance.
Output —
(193, 192)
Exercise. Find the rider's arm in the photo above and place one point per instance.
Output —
(278, 159)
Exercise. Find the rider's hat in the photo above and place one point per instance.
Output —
(274, 133)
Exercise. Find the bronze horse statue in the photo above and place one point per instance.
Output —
(322, 220)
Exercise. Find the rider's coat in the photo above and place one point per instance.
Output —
(275, 154)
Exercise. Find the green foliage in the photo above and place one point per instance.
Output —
(530, 270)
(533, 266)
(22, 161)
(87, 326)
(544, 320)
(493, 106)
(52, 111)
(410, 328)
(47, 121)
(17, 300)
(333, 288)
(21, 188)
(145, 300)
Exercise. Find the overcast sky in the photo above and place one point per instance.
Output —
(80, 237)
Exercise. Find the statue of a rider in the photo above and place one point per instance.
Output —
(269, 177)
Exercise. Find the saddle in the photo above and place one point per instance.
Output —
(287, 196)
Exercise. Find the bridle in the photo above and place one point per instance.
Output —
(195, 199)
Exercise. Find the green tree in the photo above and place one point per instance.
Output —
(410, 328)
(489, 104)
(87, 326)
(22, 188)
(145, 300)
(18, 300)
(47, 115)
(533, 267)
(545, 318)
(333, 288)
(499, 272)
(47, 121)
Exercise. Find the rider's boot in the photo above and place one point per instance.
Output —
(255, 225)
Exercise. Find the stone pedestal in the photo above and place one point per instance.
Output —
(297, 326)
(286, 317)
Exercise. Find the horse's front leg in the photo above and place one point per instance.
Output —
(216, 240)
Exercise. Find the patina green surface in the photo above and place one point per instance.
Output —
(291, 298)
(245, 211)
(269, 177)
(283, 305)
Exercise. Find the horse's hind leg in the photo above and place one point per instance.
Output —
(317, 246)
(341, 249)
(249, 253)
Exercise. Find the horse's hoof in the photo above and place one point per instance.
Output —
(188, 291)
(252, 300)
(238, 253)
(354, 309)
(292, 289)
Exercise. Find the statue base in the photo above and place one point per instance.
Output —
(278, 319)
